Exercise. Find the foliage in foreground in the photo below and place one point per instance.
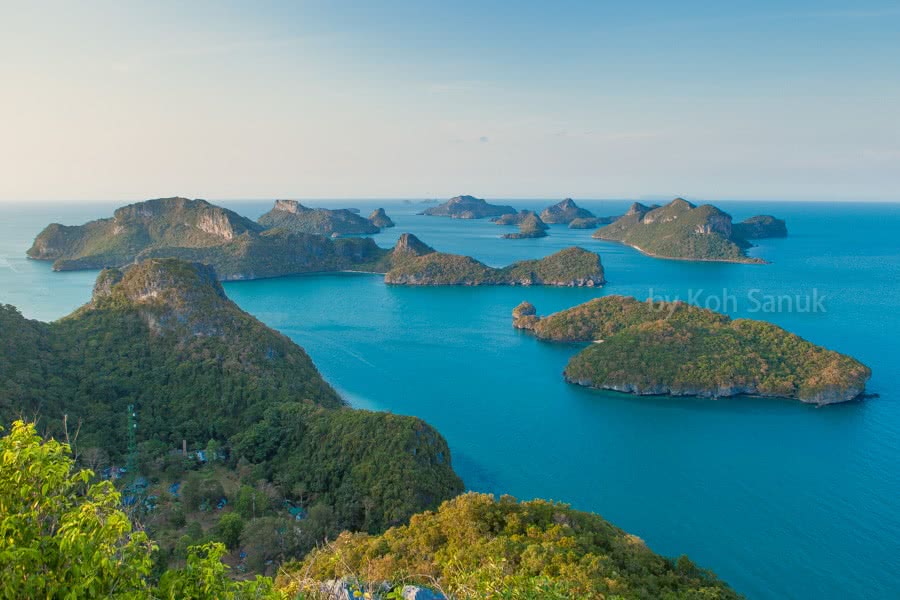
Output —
(477, 547)
(64, 537)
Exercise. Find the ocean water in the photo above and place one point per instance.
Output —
(781, 499)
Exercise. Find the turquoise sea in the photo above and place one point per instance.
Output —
(781, 499)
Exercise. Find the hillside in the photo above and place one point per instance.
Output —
(476, 547)
(161, 336)
(572, 267)
(294, 217)
(759, 227)
(681, 350)
(679, 230)
(468, 207)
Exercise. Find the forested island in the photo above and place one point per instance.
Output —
(239, 249)
(664, 348)
(682, 230)
(210, 441)
(530, 225)
(565, 212)
(468, 207)
(294, 217)
(572, 267)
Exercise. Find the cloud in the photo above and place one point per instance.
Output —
(483, 139)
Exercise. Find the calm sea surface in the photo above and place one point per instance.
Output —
(781, 499)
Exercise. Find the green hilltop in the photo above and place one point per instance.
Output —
(161, 336)
(678, 349)
(682, 230)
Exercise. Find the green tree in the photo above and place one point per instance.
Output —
(61, 536)
(205, 576)
(229, 529)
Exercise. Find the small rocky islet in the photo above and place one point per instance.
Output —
(677, 349)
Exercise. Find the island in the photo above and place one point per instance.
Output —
(161, 344)
(296, 218)
(379, 219)
(677, 349)
(195, 230)
(468, 207)
(530, 226)
(591, 222)
(572, 267)
(759, 227)
(240, 249)
(565, 212)
(680, 230)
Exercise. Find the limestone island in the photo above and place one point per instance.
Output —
(294, 217)
(565, 212)
(591, 222)
(530, 226)
(238, 248)
(195, 230)
(379, 219)
(681, 230)
(759, 227)
(677, 349)
(468, 207)
(572, 267)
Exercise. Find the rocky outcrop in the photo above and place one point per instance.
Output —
(409, 246)
(525, 316)
(468, 207)
(530, 226)
(565, 212)
(379, 219)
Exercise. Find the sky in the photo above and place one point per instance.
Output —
(123, 100)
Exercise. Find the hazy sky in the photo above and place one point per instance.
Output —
(125, 100)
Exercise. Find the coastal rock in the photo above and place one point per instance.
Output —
(468, 207)
(565, 212)
(379, 219)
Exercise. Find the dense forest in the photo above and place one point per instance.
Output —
(65, 535)
(679, 349)
(163, 339)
